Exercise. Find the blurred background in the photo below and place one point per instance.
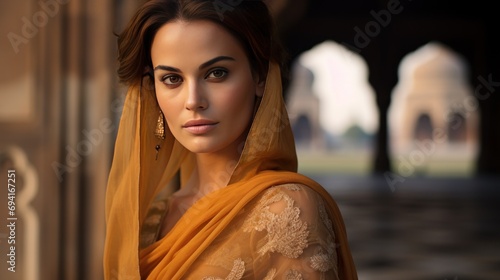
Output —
(394, 104)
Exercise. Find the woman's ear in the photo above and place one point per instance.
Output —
(260, 89)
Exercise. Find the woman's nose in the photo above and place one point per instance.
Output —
(196, 99)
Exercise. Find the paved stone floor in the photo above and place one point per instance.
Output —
(421, 228)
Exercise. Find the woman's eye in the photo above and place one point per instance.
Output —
(217, 74)
(172, 80)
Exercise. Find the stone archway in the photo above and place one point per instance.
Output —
(302, 130)
(457, 129)
(423, 128)
(433, 103)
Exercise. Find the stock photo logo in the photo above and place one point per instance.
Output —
(32, 25)
(85, 147)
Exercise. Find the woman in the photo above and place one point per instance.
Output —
(203, 183)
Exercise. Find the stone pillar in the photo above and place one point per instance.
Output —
(59, 107)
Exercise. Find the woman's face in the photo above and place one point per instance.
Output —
(204, 85)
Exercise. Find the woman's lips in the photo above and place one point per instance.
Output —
(199, 126)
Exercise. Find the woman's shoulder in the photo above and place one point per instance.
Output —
(290, 222)
(295, 193)
(289, 203)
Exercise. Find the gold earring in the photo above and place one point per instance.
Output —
(160, 127)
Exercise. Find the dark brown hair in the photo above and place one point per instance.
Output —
(248, 20)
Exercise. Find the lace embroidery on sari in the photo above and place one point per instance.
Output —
(286, 232)
(324, 216)
(271, 274)
(325, 256)
(322, 260)
(235, 274)
(293, 275)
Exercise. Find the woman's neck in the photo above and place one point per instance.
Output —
(211, 172)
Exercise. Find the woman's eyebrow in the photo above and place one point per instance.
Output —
(215, 60)
(167, 68)
(202, 66)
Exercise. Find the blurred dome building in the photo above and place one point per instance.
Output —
(303, 108)
(433, 105)
(330, 102)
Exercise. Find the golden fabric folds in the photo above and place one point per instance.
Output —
(266, 215)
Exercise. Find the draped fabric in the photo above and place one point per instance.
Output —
(267, 222)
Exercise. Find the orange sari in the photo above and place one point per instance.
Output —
(268, 222)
